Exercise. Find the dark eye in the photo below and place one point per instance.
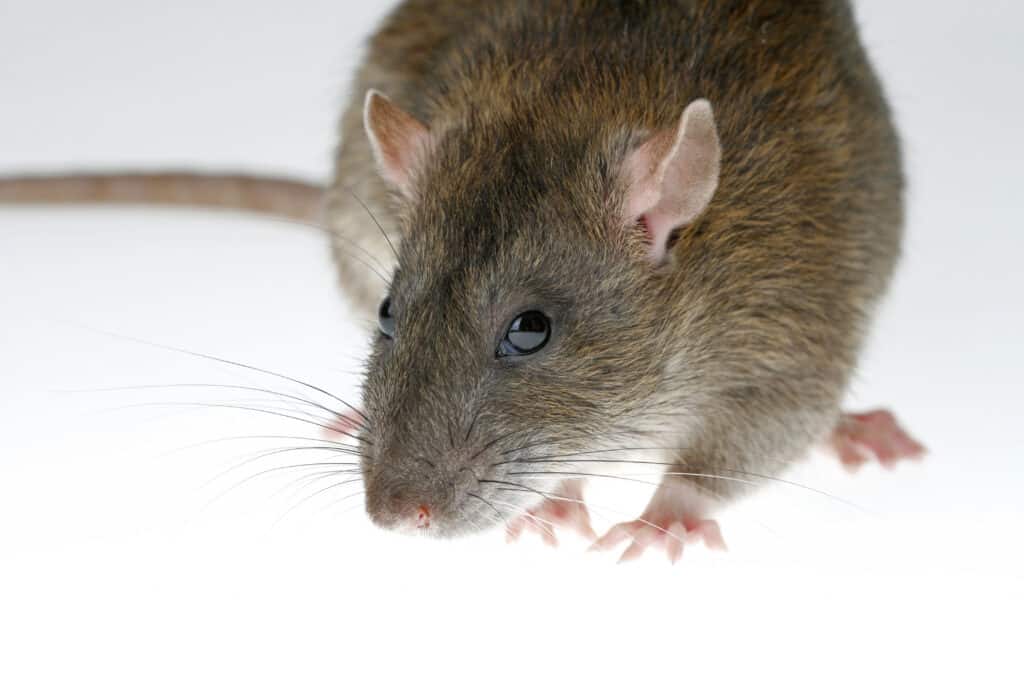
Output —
(385, 320)
(527, 334)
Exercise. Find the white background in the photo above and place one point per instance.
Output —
(116, 565)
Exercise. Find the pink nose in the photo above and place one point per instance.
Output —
(422, 517)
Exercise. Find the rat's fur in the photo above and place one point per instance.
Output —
(735, 354)
(722, 363)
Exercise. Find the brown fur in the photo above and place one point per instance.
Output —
(744, 343)
(729, 360)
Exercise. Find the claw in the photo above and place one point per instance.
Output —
(675, 542)
(711, 533)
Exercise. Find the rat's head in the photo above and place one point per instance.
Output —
(522, 331)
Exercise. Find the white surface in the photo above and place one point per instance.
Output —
(112, 566)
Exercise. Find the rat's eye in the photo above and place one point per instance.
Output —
(385, 320)
(527, 334)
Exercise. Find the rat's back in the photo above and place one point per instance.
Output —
(810, 167)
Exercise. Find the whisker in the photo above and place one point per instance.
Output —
(227, 439)
(355, 258)
(237, 364)
(494, 441)
(373, 218)
(264, 473)
(488, 504)
(553, 458)
(198, 385)
(343, 499)
(230, 406)
(798, 485)
(601, 475)
(451, 434)
(334, 235)
(693, 475)
(548, 442)
(556, 496)
(552, 495)
(542, 524)
(598, 507)
(522, 486)
(351, 242)
(278, 451)
(472, 423)
(301, 482)
(496, 517)
(314, 495)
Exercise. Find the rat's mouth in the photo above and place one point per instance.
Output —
(420, 521)
(441, 517)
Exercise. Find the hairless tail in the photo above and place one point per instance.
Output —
(286, 198)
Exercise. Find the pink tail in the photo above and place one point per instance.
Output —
(292, 199)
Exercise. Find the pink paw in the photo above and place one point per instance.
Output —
(345, 424)
(565, 510)
(672, 534)
(875, 435)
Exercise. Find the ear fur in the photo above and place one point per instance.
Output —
(399, 141)
(673, 176)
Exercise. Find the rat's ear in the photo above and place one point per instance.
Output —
(399, 141)
(673, 176)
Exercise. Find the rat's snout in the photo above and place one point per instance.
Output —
(407, 516)
(401, 510)
(422, 517)
(415, 495)
(409, 501)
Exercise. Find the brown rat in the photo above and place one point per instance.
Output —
(692, 207)
(630, 232)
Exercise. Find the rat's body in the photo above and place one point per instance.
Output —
(738, 351)
(707, 282)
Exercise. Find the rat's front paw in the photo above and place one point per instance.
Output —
(347, 423)
(564, 509)
(671, 534)
(859, 437)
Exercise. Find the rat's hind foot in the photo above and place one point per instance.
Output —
(564, 508)
(672, 534)
(345, 424)
(859, 437)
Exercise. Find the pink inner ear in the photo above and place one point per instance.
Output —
(398, 140)
(673, 176)
(643, 173)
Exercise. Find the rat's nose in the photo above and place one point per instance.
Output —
(415, 517)
(405, 514)
(423, 517)
(405, 506)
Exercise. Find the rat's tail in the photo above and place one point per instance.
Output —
(296, 200)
